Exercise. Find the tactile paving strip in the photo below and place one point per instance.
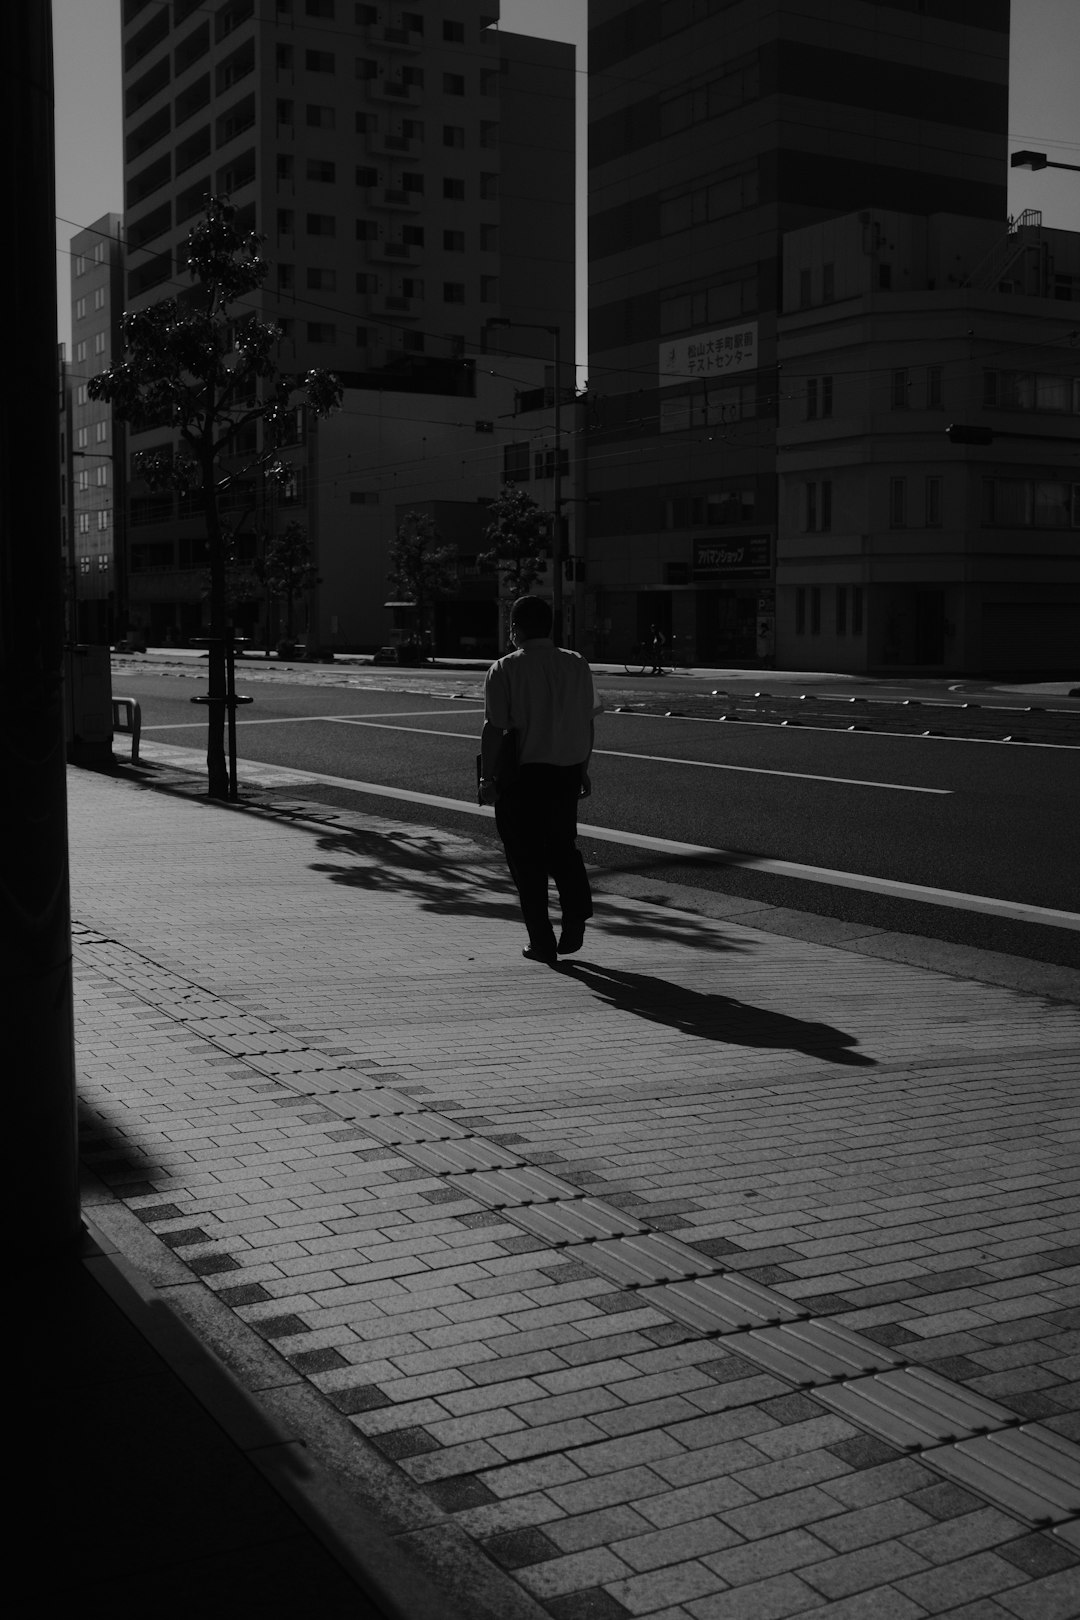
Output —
(721, 1304)
(913, 1408)
(580, 1221)
(399, 1130)
(1030, 1470)
(504, 1189)
(809, 1353)
(634, 1262)
(456, 1158)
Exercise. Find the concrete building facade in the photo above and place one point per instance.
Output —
(97, 483)
(899, 549)
(411, 169)
(716, 128)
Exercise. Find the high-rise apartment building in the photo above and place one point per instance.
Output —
(411, 169)
(96, 513)
(715, 127)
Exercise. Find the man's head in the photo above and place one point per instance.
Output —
(530, 618)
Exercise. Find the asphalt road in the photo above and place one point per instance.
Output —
(957, 814)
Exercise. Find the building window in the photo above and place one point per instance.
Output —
(283, 58)
(319, 61)
(453, 292)
(800, 610)
(366, 123)
(806, 288)
(320, 8)
(856, 610)
(322, 280)
(101, 432)
(102, 521)
(453, 31)
(285, 114)
(1026, 503)
(322, 170)
(366, 175)
(818, 506)
(899, 389)
(413, 76)
(82, 438)
(453, 241)
(489, 187)
(828, 283)
(84, 478)
(819, 397)
(489, 238)
(81, 396)
(935, 396)
(489, 133)
(412, 287)
(1031, 391)
(321, 225)
(79, 264)
(884, 277)
(84, 523)
(815, 610)
(897, 503)
(366, 69)
(453, 84)
(453, 135)
(321, 332)
(286, 221)
(933, 503)
(319, 117)
(366, 282)
(80, 309)
(286, 277)
(80, 350)
(285, 166)
(841, 610)
(453, 189)
(516, 463)
(101, 477)
(412, 235)
(489, 289)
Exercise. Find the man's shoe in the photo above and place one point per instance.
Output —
(571, 939)
(532, 954)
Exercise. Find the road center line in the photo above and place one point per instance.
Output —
(702, 764)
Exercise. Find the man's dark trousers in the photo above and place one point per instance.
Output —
(537, 822)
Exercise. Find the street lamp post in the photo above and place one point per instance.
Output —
(556, 538)
(1038, 160)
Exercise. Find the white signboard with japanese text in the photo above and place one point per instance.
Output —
(723, 353)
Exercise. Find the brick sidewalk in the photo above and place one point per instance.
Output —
(619, 1285)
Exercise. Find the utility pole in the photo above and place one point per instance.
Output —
(35, 922)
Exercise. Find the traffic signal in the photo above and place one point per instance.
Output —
(958, 434)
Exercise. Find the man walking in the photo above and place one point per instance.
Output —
(546, 696)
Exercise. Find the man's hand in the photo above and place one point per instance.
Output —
(487, 791)
(586, 786)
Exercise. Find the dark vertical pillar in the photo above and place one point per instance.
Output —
(35, 928)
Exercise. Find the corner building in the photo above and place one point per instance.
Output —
(716, 127)
(411, 169)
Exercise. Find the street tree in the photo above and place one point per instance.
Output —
(286, 570)
(423, 567)
(519, 534)
(203, 365)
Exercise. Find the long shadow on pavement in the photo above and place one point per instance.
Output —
(448, 882)
(713, 1017)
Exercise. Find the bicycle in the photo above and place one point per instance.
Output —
(642, 659)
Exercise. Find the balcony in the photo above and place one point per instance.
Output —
(399, 307)
(380, 36)
(380, 252)
(385, 145)
(393, 92)
(390, 199)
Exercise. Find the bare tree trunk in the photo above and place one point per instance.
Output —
(217, 771)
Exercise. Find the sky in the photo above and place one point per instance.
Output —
(1044, 112)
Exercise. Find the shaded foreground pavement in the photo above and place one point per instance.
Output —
(721, 1274)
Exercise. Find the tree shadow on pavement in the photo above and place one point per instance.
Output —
(712, 1017)
(448, 877)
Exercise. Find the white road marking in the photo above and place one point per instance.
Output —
(1015, 910)
(293, 719)
(664, 759)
